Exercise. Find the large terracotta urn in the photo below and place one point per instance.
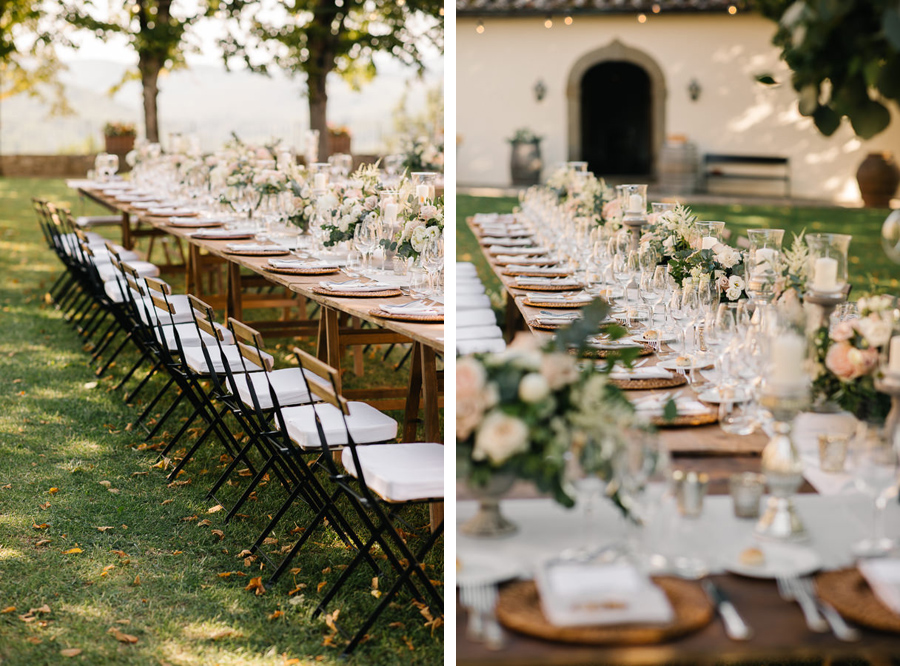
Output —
(878, 178)
(525, 162)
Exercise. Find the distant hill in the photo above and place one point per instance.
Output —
(209, 101)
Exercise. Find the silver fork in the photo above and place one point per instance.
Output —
(486, 601)
(841, 630)
(468, 595)
(790, 589)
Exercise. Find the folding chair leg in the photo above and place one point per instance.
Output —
(184, 428)
(144, 356)
(110, 334)
(130, 396)
(100, 372)
(149, 408)
(93, 321)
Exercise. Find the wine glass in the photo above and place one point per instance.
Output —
(364, 238)
(873, 462)
(433, 260)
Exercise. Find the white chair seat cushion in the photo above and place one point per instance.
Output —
(367, 425)
(144, 268)
(92, 237)
(470, 289)
(102, 256)
(400, 472)
(85, 221)
(287, 382)
(478, 332)
(190, 336)
(472, 302)
(480, 346)
(196, 360)
(465, 267)
(480, 317)
(183, 312)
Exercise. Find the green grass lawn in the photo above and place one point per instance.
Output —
(72, 464)
(869, 266)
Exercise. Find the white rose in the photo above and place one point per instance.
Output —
(875, 330)
(417, 238)
(499, 438)
(736, 282)
(728, 256)
(533, 388)
(733, 293)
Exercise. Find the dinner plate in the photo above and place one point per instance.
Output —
(781, 559)
(662, 338)
(671, 365)
(483, 569)
(712, 396)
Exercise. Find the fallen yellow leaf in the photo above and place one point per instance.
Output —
(70, 652)
(219, 533)
(73, 551)
(122, 637)
(120, 553)
(104, 528)
(53, 491)
(43, 542)
(137, 581)
(42, 526)
(44, 506)
(215, 509)
(256, 586)
(168, 501)
(204, 523)
(226, 574)
(277, 614)
(8, 609)
(105, 484)
(139, 473)
(321, 585)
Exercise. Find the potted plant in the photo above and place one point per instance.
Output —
(119, 137)
(340, 140)
(525, 161)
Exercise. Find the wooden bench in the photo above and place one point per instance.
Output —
(764, 167)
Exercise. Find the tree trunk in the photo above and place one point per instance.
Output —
(149, 68)
(318, 111)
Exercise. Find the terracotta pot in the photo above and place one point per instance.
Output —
(878, 178)
(119, 145)
(525, 163)
(340, 143)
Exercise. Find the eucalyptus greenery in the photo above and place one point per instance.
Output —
(845, 58)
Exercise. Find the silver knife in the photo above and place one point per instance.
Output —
(735, 627)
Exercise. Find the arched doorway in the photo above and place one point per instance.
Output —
(595, 99)
(616, 124)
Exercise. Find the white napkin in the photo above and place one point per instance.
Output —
(153, 203)
(507, 242)
(558, 297)
(297, 263)
(653, 406)
(413, 307)
(354, 285)
(619, 343)
(189, 222)
(171, 211)
(536, 269)
(575, 594)
(883, 576)
(505, 250)
(561, 318)
(223, 233)
(253, 247)
(644, 372)
(539, 281)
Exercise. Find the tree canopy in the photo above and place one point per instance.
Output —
(845, 59)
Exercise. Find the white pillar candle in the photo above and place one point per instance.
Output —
(825, 274)
(635, 202)
(765, 256)
(422, 193)
(320, 181)
(390, 213)
(708, 242)
(788, 360)
(894, 356)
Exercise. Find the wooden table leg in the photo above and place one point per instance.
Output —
(333, 338)
(358, 366)
(192, 271)
(411, 418)
(234, 307)
(430, 391)
(436, 512)
(513, 317)
(127, 241)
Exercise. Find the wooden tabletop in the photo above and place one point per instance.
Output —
(430, 335)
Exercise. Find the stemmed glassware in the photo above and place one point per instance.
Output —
(874, 464)
(365, 240)
(433, 262)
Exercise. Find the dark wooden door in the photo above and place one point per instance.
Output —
(616, 118)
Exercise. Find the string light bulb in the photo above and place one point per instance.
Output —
(549, 22)
(642, 18)
(732, 10)
(480, 27)
(569, 20)
(655, 9)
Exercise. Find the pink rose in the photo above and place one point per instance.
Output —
(470, 396)
(843, 331)
(612, 210)
(848, 363)
(559, 370)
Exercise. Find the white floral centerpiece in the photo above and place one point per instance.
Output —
(420, 154)
(418, 225)
(352, 203)
(594, 199)
(520, 413)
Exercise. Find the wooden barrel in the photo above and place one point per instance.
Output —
(678, 166)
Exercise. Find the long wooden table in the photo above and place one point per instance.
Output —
(337, 327)
(780, 636)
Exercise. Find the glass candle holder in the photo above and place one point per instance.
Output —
(833, 452)
(746, 492)
(311, 153)
(710, 234)
(633, 200)
(659, 207)
(320, 172)
(765, 248)
(424, 182)
(828, 262)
